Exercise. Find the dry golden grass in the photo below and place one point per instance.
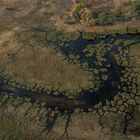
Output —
(96, 5)
(41, 65)
(33, 13)
(135, 58)
(100, 29)
(45, 67)
(82, 127)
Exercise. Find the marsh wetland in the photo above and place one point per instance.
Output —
(69, 79)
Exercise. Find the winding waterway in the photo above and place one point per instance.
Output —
(86, 98)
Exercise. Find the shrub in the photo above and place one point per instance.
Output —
(68, 20)
(135, 9)
(77, 9)
(103, 19)
(76, 12)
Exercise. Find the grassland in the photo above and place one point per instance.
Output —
(82, 127)
(41, 65)
(135, 56)
(23, 28)
(41, 12)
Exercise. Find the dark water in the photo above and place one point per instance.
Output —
(77, 46)
(108, 88)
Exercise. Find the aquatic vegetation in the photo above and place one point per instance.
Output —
(89, 50)
(62, 36)
(89, 36)
(112, 87)
(73, 59)
(132, 30)
(65, 60)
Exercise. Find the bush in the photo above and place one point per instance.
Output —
(135, 9)
(77, 9)
(68, 20)
(104, 19)
(76, 13)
